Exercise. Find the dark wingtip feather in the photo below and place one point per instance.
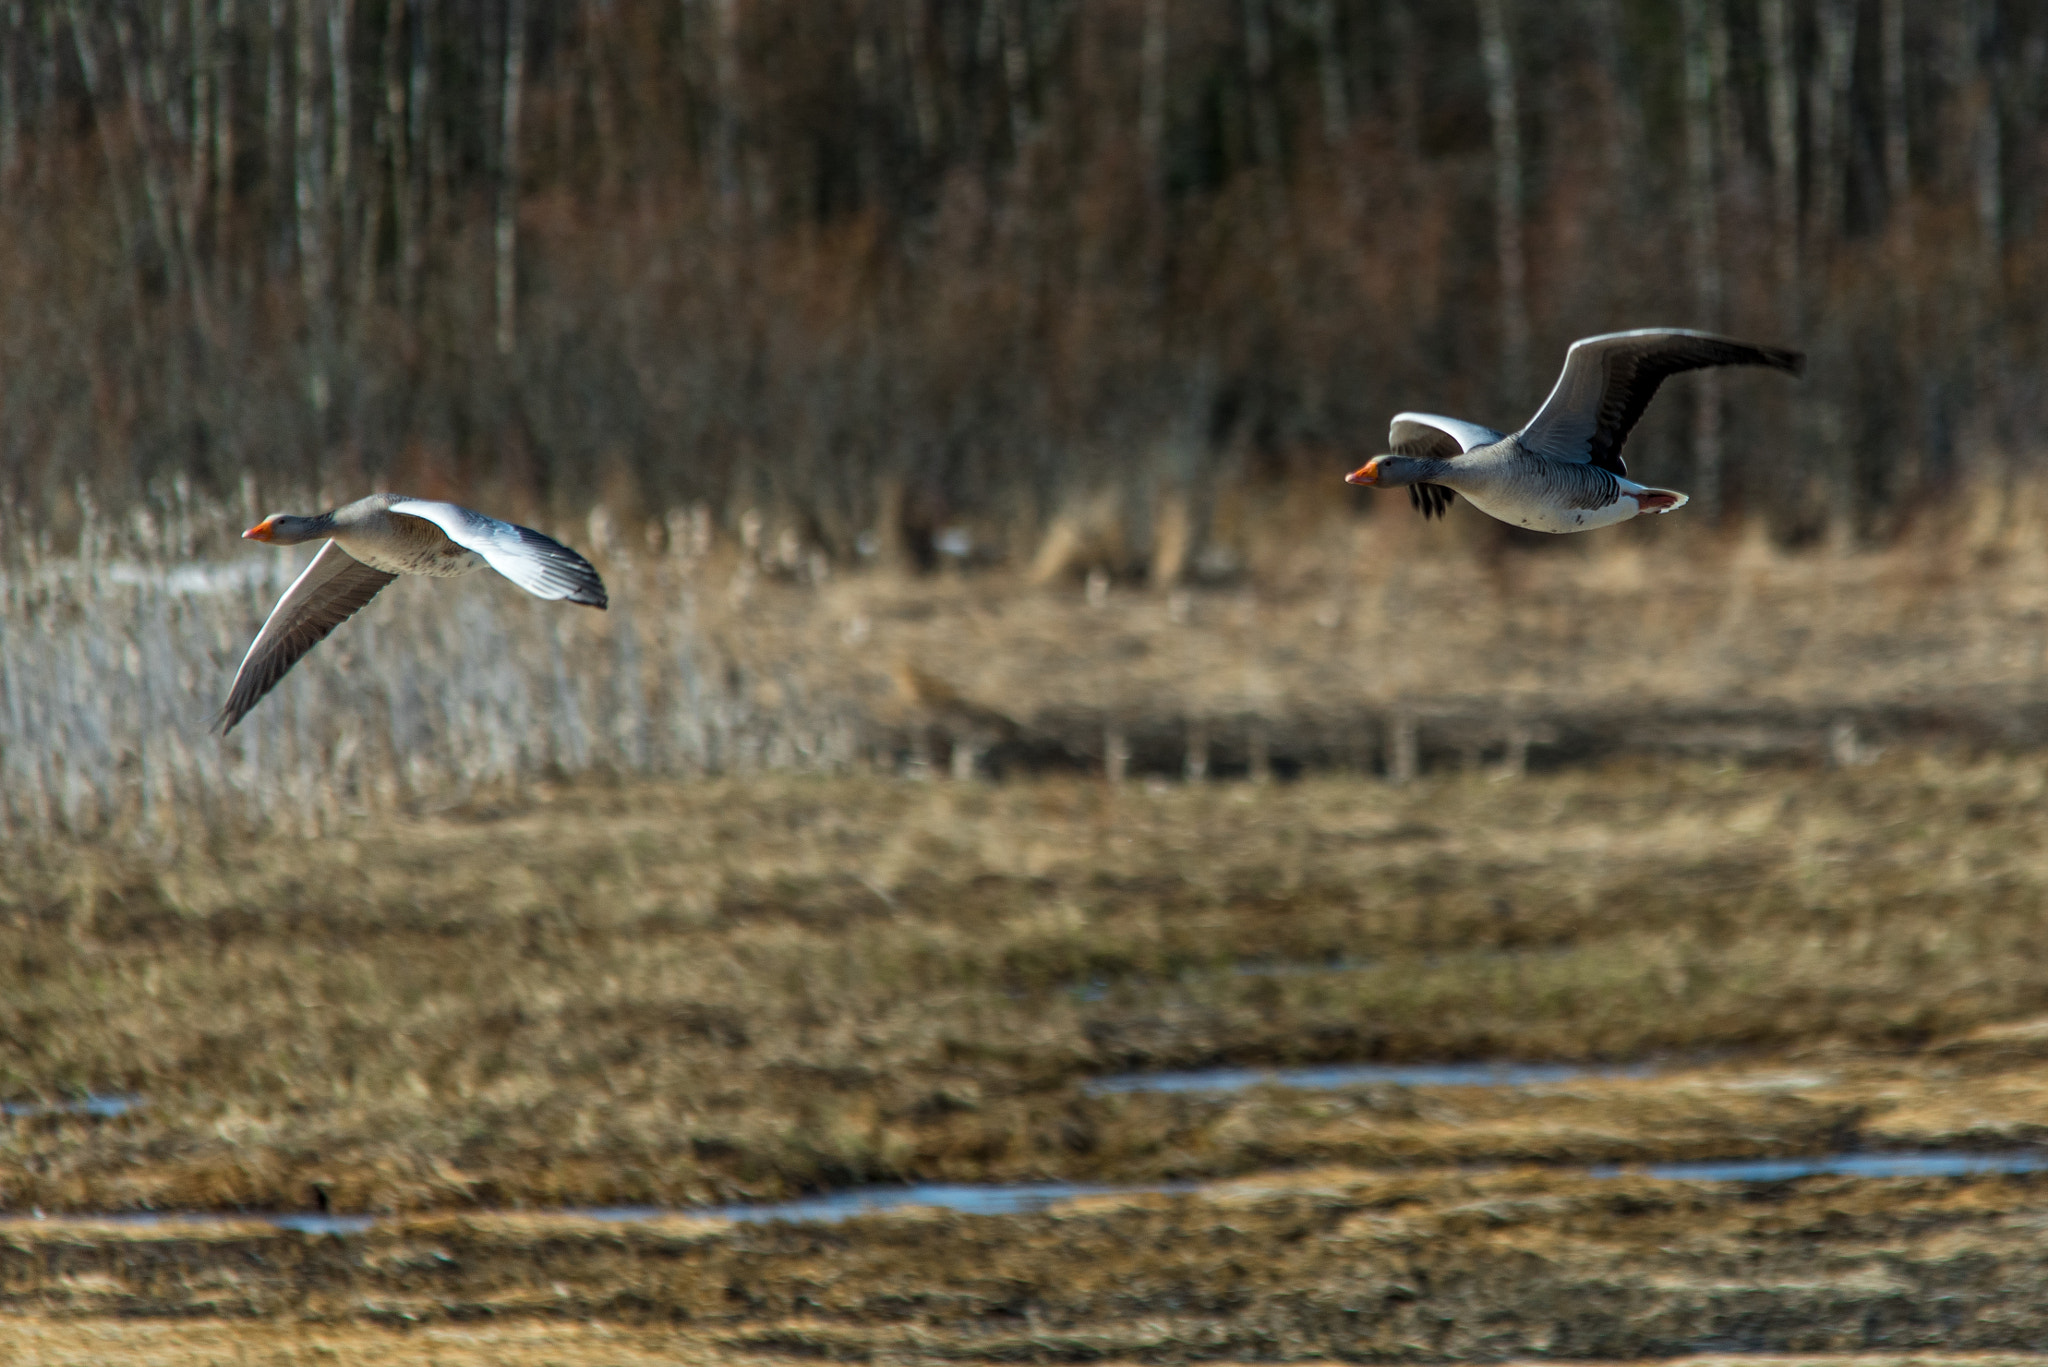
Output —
(1431, 499)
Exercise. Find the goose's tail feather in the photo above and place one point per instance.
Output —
(1659, 501)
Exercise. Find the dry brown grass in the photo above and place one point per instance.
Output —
(719, 658)
(1332, 1263)
(678, 992)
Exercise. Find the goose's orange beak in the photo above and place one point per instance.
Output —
(1368, 473)
(259, 532)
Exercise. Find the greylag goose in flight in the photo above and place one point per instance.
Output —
(1563, 472)
(370, 543)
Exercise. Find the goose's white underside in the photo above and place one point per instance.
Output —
(1540, 516)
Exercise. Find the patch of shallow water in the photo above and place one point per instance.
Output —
(104, 1107)
(1333, 1076)
(1925, 1163)
(1021, 1198)
(1029, 1197)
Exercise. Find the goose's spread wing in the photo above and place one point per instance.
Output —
(541, 565)
(1608, 381)
(1437, 438)
(324, 596)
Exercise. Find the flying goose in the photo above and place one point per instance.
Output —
(1564, 471)
(370, 543)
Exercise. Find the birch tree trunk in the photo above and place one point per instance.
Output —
(1623, 124)
(117, 189)
(1406, 46)
(277, 141)
(506, 235)
(1898, 186)
(309, 208)
(343, 196)
(10, 96)
(1781, 102)
(924, 107)
(1505, 112)
(725, 121)
(224, 139)
(387, 166)
(412, 183)
(1152, 94)
(1702, 213)
(1829, 110)
(1988, 144)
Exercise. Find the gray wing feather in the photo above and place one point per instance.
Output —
(541, 565)
(327, 593)
(1609, 380)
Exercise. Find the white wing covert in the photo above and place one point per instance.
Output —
(1435, 436)
(541, 565)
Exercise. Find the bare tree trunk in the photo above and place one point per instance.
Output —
(1258, 60)
(1701, 134)
(117, 192)
(1898, 183)
(1505, 111)
(343, 197)
(387, 167)
(924, 108)
(1407, 51)
(309, 209)
(277, 145)
(1988, 145)
(199, 149)
(1624, 122)
(10, 96)
(507, 233)
(1152, 93)
(1829, 110)
(1782, 105)
(1017, 83)
(1336, 104)
(223, 150)
(725, 124)
(1330, 73)
(412, 183)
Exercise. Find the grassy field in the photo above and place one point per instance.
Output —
(673, 994)
(1326, 1264)
(769, 951)
(1343, 641)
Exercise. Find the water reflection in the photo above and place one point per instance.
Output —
(1332, 1076)
(1024, 1198)
(1926, 1163)
(104, 1107)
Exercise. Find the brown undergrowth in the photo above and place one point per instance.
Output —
(675, 993)
(1328, 1264)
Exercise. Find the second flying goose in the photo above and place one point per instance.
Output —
(1563, 472)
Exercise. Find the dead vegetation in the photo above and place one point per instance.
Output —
(623, 993)
(1347, 642)
(1328, 1264)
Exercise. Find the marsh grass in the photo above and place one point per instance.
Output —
(722, 657)
(1329, 1264)
(676, 992)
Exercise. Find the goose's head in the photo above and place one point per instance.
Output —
(288, 529)
(1393, 472)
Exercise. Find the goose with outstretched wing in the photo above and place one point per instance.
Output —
(370, 543)
(1563, 472)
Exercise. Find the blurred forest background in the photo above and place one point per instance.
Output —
(899, 266)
